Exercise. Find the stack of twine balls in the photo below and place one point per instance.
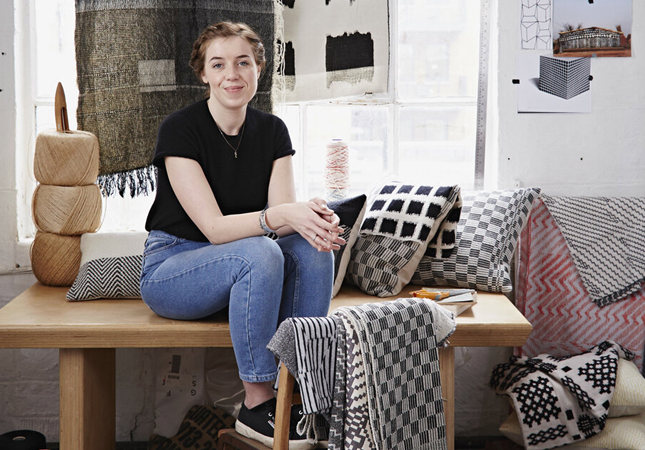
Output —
(66, 203)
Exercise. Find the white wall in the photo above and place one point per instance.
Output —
(597, 154)
(602, 153)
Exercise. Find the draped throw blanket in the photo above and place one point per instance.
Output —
(132, 68)
(372, 371)
(561, 400)
(606, 238)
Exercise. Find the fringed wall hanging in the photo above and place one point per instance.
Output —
(333, 48)
(132, 67)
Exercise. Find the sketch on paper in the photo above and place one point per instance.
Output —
(600, 28)
(535, 24)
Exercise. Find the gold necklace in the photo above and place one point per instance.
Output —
(235, 149)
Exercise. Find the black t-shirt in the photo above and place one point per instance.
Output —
(240, 184)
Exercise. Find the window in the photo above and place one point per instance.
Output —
(422, 130)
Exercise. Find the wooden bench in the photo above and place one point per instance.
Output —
(87, 334)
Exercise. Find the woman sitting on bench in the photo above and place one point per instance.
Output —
(225, 179)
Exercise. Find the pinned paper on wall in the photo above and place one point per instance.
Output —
(548, 84)
(592, 28)
(536, 24)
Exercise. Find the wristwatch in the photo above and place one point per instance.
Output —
(263, 221)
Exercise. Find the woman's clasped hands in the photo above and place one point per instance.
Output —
(318, 224)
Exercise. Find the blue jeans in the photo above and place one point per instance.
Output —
(261, 281)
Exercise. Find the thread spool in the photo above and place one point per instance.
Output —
(336, 173)
(66, 159)
(55, 259)
(68, 210)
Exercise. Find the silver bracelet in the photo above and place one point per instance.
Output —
(263, 222)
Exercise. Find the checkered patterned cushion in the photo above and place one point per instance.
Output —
(399, 223)
(487, 234)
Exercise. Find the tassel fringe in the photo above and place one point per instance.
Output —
(141, 181)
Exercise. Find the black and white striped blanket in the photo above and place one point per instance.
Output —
(606, 238)
(561, 400)
(380, 363)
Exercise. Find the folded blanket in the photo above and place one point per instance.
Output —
(561, 400)
(606, 238)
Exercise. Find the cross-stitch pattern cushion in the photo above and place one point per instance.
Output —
(110, 266)
(350, 211)
(487, 235)
(399, 223)
(620, 433)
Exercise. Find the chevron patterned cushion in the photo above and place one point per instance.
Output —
(110, 266)
(487, 235)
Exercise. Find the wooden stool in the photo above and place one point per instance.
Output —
(229, 439)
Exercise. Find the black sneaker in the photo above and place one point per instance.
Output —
(259, 423)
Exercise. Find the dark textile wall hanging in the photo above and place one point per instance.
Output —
(132, 67)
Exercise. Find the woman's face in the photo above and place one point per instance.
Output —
(231, 72)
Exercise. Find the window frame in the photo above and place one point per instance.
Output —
(27, 102)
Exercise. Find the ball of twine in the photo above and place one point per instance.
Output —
(336, 173)
(55, 259)
(66, 159)
(67, 210)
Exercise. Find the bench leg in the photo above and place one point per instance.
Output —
(87, 398)
(283, 409)
(447, 370)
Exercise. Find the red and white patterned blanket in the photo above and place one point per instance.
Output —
(551, 295)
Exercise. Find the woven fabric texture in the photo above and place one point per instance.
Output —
(487, 235)
(399, 224)
(132, 69)
(606, 239)
(561, 400)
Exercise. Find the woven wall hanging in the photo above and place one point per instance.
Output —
(132, 67)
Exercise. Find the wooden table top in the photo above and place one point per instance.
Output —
(40, 317)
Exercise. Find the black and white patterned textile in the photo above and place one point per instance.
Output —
(401, 361)
(307, 346)
(606, 238)
(372, 371)
(399, 223)
(561, 400)
(413, 213)
(333, 49)
(349, 423)
(487, 235)
(110, 266)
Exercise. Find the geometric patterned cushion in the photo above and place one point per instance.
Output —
(107, 278)
(399, 223)
(110, 266)
(487, 235)
(350, 211)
